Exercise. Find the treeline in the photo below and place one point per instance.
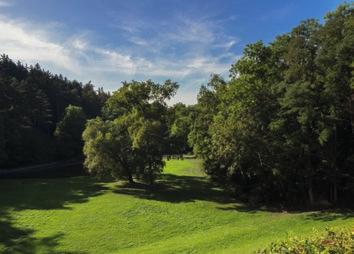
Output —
(281, 130)
(42, 115)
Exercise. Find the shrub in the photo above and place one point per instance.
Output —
(332, 242)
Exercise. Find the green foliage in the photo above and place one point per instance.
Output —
(26, 119)
(206, 108)
(69, 131)
(280, 129)
(339, 242)
(180, 124)
(108, 148)
(142, 96)
(132, 139)
(32, 102)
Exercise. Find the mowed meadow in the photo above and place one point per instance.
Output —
(182, 213)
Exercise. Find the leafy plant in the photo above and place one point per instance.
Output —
(338, 242)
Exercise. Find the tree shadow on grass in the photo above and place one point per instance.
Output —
(39, 194)
(330, 215)
(317, 215)
(247, 208)
(14, 240)
(177, 189)
(45, 194)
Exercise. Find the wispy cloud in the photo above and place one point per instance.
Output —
(5, 3)
(23, 42)
(193, 31)
(228, 44)
(182, 52)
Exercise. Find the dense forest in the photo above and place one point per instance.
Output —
(41, 114)
(280, 130)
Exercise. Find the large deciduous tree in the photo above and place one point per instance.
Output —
(131, 139)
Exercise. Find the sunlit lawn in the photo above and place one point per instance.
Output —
(183, 213)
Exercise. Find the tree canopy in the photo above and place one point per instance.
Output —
(129, 141)
(69, 131)
(280, 129)
(32, 103)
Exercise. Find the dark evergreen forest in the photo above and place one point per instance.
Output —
(33, 105)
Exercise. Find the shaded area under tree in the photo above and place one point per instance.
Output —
(39, 194)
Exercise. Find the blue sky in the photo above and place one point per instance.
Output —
(109, 41)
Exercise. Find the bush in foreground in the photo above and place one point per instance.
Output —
(338, 242)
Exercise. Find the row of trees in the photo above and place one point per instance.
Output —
(36, 122)
(43, 116)
(280, 129)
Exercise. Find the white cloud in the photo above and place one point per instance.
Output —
(116, 61)
(78, 58)
(227, 45)
(139, 41)
(5, 3)
(193, 31)
(23, 42)
(79, 44)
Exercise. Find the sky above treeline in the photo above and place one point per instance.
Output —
(109, 41)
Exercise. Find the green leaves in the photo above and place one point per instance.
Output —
(324, 136)
(282, 124)
(69, 130)
(333, 241)
(32, 103)
(139, 96)
(131, 141)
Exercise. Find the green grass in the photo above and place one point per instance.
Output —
(183, 213)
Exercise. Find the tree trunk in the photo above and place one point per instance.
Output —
(130, 178)
(335, 193)
(126, 169)
(335, 166)
(310, 181)
(310, 192)
(151, 178)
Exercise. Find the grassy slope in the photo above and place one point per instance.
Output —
(182, 214)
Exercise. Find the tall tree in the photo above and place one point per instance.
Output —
(280, 129)
(180, 123)
(130, 142)
(69, 131)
